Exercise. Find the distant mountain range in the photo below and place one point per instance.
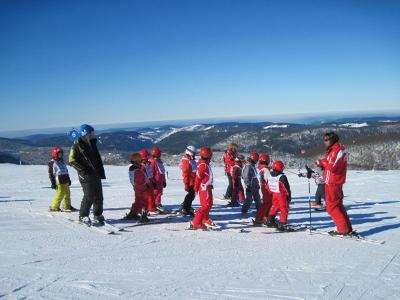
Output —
(373, 142)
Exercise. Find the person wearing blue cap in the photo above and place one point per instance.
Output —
(85, 158)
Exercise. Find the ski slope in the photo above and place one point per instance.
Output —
(44, 256)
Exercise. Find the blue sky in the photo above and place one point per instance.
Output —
(64, 63)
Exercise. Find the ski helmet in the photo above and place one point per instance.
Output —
(277, 166)
(144, 154)
(264, 159)
(55, 151)
(191, 150)
(206, 152)
(85, 129)
(136, 158)
(156, 152)
(254, 156)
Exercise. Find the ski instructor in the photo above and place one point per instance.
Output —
(335, 168)
(86, 159)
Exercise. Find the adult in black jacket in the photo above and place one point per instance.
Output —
(85, 158)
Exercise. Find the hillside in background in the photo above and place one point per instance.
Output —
(373, 143)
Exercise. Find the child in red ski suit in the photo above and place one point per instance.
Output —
(159, 177)
(263, 211)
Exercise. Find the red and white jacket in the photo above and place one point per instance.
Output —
(158, 170)
(335, 164)
(204, 176)
(229, 160)
(189, 168)
(138, 179)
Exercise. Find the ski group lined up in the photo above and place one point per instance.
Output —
(147, 176)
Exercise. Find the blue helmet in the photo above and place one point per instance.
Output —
(85, 129)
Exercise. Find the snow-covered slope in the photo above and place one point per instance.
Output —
(43, 256)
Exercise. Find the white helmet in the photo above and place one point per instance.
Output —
(191, 150)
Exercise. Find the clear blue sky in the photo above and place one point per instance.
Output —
(67, 62)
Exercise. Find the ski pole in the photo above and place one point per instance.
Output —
(309, 201)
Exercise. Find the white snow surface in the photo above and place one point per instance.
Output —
(354, 125)
(42, 256)
(276, 126)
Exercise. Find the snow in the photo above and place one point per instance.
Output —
(43, 256)
(276, 126)
(354, 125)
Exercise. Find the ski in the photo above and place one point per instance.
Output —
(357, 238)
(98, 228)
(136, 223)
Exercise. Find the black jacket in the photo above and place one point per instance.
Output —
(86, 159)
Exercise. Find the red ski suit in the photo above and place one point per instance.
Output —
(335, 169)
(159, 178)
(204, 186)
(237, 187)
(188, 167)
(147, 168)
(263, 210)
(279, 198)
(137, 178)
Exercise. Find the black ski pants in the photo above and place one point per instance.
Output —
(92, 195)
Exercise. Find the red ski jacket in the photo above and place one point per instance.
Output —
(229, 160)
(189, 168)
(204, 176)
(335, 164)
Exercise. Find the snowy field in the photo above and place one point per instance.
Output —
(44, 256)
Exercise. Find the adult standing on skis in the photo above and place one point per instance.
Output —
(189, 168)
(204, 186)
(335, 168)
(85, 158)
(229, 160)
(250, 177)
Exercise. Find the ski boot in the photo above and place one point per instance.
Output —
(197, 227)
(85, 220)
(153, 212)
(69, 209)
(210, 223)
(131, 216)
(271, 222)
(98, 220)
(258, 223)
(160, 208)
(143, 217)
(57, 209)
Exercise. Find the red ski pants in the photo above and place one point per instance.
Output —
(151, 204)
(237, 191)
(280, 204)
(158, 191)
(140, 202)
(335, 208)
(263, 210)
(206, 202)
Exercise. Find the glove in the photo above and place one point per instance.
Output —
(309, 172)
(300, 175)
(154, 184)
(164, 184)
(69, 182)
(53, 186)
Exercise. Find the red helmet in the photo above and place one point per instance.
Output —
(206, 152)
(136, 158)
(254, 156)
(277, 166)
(156, 152)
(55, 151)
(264, 158)
(144, 154)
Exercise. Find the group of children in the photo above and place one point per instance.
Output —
(148, 178)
